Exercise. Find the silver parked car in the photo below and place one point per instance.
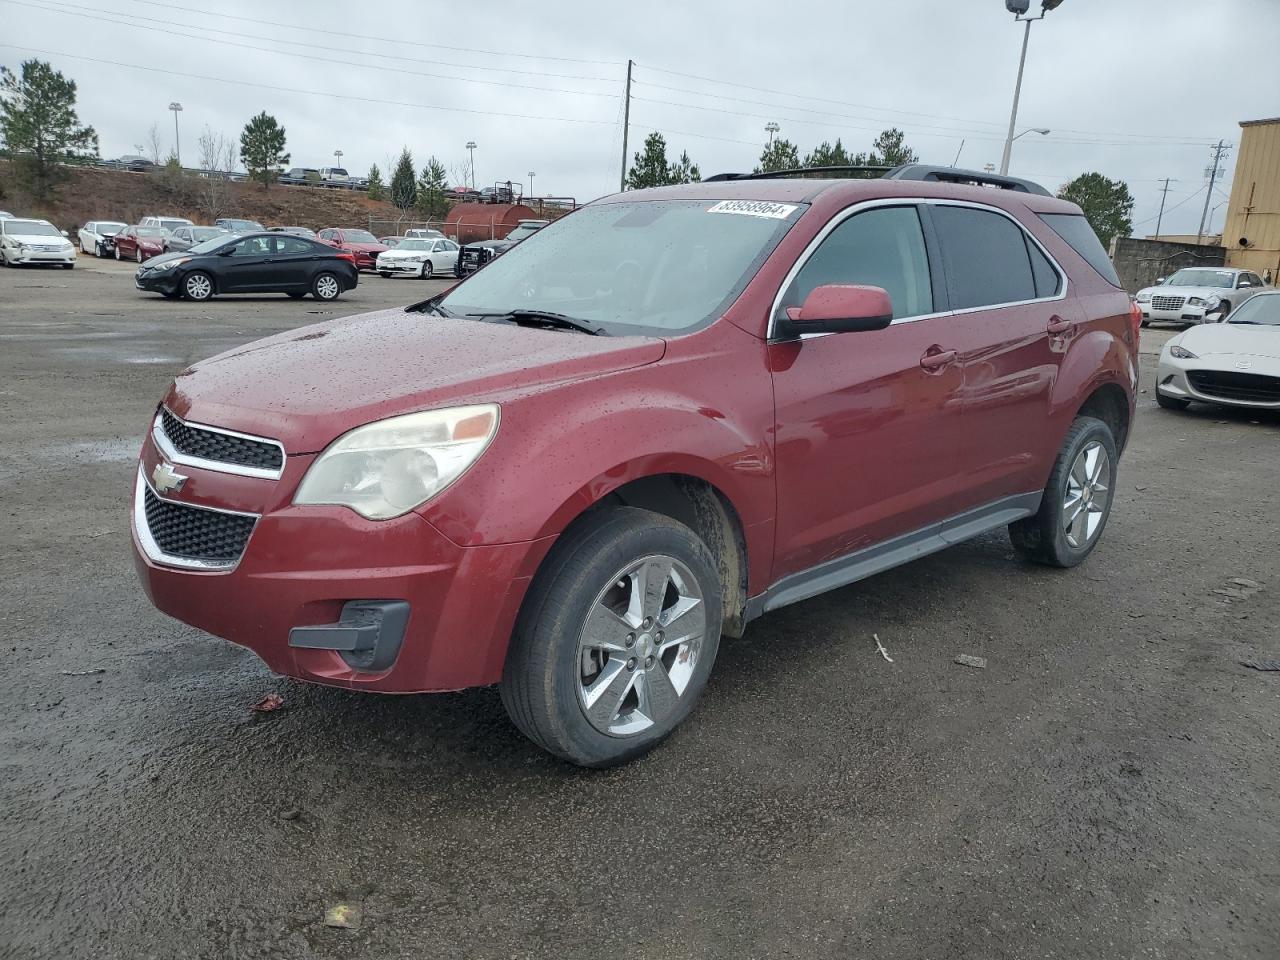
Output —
(1198, 295)
(1235, 364)
(184, 238)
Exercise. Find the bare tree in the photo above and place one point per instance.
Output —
(217, 161)
(154, 144)
(460, 173)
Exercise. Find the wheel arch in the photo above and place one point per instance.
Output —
(1109, 403)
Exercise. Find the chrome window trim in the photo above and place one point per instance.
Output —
(170, 452)
(857, 208)
(152, 549)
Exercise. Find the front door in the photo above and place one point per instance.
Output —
(868, 424)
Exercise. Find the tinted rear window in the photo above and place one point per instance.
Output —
(986, 258)
(1075, 229)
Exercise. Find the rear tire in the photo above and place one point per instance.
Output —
(384, 274)
(593, 629)
(1071, 519)
(326, 287)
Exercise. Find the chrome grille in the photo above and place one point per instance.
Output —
(1168, 303)
(184, 535)
(220, 447)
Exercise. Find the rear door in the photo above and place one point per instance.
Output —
(295, 260)
(1012, 325)
(250, 265)
(446, 256)
(868, 424)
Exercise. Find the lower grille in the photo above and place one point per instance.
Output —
(1251, 387)
(208, 537)
(1168, 303)
(205, 444)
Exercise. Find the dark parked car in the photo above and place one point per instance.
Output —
(139, 243)
(231, 225)
(184, 238)
(475, 255)
(295, 231)
(669, 413)
(257, 263)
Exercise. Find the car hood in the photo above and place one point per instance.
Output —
(493, 244)
(35, 238)
(1203, 292)
(166, 257)
(396, 254)
(1232, 338)
(307, 386)
(366, 247)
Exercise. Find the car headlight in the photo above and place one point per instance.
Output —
(170, 264)
(385, 469)
(1143, 297)
(1196, 301)
(1182, 353)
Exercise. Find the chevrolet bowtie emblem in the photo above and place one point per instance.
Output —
(165, 479)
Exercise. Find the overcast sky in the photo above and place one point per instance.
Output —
(1135, 89)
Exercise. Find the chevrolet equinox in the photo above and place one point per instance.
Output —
(660, 417)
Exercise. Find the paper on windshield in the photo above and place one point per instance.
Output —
(755, 208)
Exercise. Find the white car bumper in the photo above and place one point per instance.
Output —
(37, 255)
(1226, 379)
(1184, 314)
(406, 268)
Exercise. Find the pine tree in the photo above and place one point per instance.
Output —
(684, 170)
(888, 151)
(404, 189)
(39, 125)
(779, 155)
(431, 201)
(262, 148)
(377, 189)
(650, 168)
(826, 155)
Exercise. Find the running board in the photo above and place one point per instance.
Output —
(869, 561)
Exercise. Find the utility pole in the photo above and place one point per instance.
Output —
(1208, 194)
(1164, 195)
(626, 124)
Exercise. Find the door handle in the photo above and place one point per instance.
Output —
(1057, 326)
(935, 359)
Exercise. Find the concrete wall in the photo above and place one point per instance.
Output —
(1140, 262)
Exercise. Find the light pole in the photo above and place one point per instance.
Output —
(471, 148)
(771, 128)
(1019, 10)
(531, 176)
(1043, 131)
(176, 107)
(337, 156)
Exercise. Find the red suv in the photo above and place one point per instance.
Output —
(660, 417)
(360, 243)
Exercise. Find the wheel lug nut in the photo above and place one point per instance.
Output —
(631, 664)
(648, 622)
(648, 662)
(631, 639)
(659, 636)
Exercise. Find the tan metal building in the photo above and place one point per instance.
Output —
(1252, 231)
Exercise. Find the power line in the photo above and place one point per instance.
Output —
(329, 32)
(1187, 199)
(313, 58)
(310, 93)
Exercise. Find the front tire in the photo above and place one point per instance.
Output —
(427, 270)
(326, 287)
(197, 286)
(117, 253)
(616, 638)
(138, 254)
(1077, 499)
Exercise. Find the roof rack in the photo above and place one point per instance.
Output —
(908, 171)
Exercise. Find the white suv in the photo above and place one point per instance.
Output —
(334, 175)
(165, 223)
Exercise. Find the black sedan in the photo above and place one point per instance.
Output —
(257, 263)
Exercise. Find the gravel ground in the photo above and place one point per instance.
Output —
(1106, 787)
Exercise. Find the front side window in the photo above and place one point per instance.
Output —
(882, 247)
(986, 257)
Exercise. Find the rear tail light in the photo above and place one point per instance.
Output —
(1135, 315)
(343, 255)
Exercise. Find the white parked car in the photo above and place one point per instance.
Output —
(1198, 295)
(97, 236)
(165, 223)
(1234, 364)
(334, 175)
(418, 257)
(34, 241)
(5, 215)
(423, 232)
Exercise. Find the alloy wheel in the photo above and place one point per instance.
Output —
(1087, 494)
(138, 254)
(327, 288)
(426, 270)
(640, 646)
(199, 287)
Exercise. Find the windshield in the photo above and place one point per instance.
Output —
(1201, 278)
(30, 228)
(412, 244)
(111, 227)
(212, 244)
(151, 231)
(519, 233)
(207, 233)
(174, 224)
(359, 236)
(655, 266)
(1263, 311)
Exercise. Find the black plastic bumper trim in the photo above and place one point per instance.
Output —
(367, 636)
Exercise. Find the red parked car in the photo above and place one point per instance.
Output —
(639, 430)
(362, 243)
(140, 243)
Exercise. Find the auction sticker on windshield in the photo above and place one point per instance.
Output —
(755, 208)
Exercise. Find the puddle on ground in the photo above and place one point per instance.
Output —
(117, 354)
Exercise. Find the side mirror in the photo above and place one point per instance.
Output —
(840, 308)
(226, 251)
(1159, 280)
(65, 234)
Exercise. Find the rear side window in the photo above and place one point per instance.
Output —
(293, 247)
(882, 247)
(985, 256)
(1075, 229)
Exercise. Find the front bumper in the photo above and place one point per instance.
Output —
(303, 565)
(1184, 314)
(1221, 381)
(168, 282)
(29, 256)
(406, 268)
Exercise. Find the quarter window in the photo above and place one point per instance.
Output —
(883, 247)
(292, 247)
(986, 257)
(1048, 283)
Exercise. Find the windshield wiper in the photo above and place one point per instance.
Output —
(429, 306)
(542, 318)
